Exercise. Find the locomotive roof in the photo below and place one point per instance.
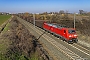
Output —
(59, 26)
(56, 25)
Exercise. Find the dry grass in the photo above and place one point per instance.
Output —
(83, 39)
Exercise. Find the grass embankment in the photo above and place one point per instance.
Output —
(3, 18)
(16, 43)
(4, 42)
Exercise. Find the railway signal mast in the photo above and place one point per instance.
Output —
(34, 19)
(74, 20)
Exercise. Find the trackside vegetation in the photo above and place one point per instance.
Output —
(16, 43)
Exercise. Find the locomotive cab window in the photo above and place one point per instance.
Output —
(71, 31)
(64, 31)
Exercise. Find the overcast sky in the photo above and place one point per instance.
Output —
(38, 6)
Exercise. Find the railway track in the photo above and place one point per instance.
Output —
(80, 48)
(60, 45)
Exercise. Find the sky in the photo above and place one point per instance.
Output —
(39, 6)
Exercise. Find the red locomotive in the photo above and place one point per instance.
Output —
(68, 34)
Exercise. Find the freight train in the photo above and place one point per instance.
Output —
(67, 34)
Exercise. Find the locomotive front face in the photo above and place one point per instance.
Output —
(72, 35)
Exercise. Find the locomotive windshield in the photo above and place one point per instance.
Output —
(71, 31)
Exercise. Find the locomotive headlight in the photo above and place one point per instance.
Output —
(75, 35)
(70, 36)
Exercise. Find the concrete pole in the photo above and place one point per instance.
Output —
(34, 19)
(74, 20)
